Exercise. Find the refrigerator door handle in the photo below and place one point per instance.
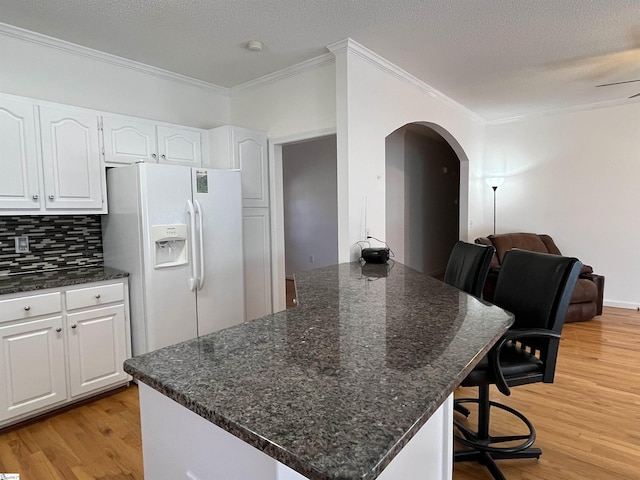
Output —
(193, 282)
(201, 244)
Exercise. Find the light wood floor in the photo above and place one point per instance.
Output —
(98, 440)
(588, 421)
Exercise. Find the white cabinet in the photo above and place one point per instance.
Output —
(49, 159)
(257, 262)
(179, 146)
(19, 163)
(97, 348)
(246, 150)
(60, 346)
(32, 373)
(129, 140)
(73, 176)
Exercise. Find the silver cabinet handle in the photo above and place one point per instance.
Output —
(98, 295)
(27, 308)
(153, 155)
(51, 197)
(163, 156)
(74, 326)
(58, 330)
(35, 197)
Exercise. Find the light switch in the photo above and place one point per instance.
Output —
(22, 244)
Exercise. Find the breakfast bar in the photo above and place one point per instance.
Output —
(356, 382)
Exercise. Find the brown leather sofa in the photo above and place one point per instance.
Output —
(586, 301)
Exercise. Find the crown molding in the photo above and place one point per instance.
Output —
(286, 72)
(564, 111)
(68, 47)
(350, 45)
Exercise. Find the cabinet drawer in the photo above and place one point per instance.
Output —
(29, 306)
(93, 296)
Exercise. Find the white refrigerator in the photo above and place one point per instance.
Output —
(178, 232)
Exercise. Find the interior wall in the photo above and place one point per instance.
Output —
(394, 199)
(304, 101)
(44, 72)
(310, 204)
(373, 102)
(574, 176)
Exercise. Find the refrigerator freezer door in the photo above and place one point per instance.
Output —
(220, 298)
(171, 306)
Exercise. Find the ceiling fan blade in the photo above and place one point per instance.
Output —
(618, 83)
(634, 96)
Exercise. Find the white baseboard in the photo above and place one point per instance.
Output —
(616, 304)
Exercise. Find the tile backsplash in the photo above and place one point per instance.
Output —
(55, 242)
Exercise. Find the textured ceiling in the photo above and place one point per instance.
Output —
(499, 58)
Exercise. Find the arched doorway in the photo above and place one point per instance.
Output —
(423, 218)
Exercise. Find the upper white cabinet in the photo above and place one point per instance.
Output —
(130, 140)
(19, 163)
(127, 141)
(246, 150)
(52, 156)
(73, 177)
(179, 146)
(49, 159)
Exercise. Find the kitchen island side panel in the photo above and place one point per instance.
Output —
(213, 453)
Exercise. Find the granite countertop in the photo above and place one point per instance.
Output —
(335, 387)
(56, 278)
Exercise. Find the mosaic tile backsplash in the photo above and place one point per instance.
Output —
(55, 242)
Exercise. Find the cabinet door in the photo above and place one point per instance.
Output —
(73, 177)
(19, 164)
(257, 262)
(127, 142)
(250, 156)
(32, 366)
(179, 146)
(97, 348)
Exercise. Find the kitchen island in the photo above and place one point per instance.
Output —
(355, 382)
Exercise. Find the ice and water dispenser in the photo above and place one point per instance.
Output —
(170, 245)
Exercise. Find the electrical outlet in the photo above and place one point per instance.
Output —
(22, 244)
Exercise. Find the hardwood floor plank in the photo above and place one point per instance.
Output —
(100, 440)
(588, 420)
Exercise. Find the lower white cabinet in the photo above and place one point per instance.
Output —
(59, 346)
(32, 375)
(97, 348)
(257, 262)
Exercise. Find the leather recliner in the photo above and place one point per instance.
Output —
(586, 301)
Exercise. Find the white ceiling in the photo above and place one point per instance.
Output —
(499, 58)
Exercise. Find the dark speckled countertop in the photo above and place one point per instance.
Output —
(41, 280)
(335, 387)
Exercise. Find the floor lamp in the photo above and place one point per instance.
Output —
(494, 183)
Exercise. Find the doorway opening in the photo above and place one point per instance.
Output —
(422, 178)
(310, 206)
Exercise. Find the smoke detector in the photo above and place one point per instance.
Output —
(255, 45)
